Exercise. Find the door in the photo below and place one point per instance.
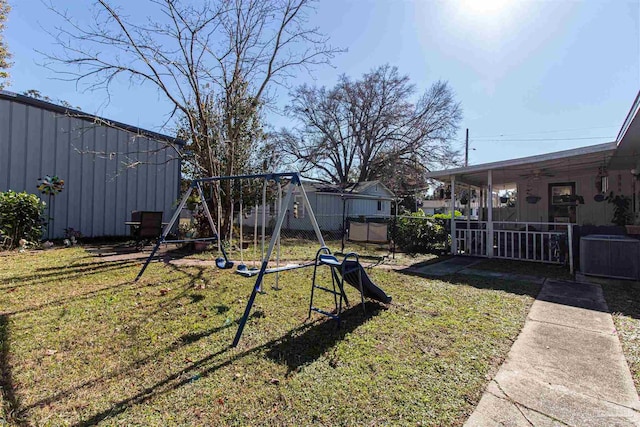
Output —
(562, 202)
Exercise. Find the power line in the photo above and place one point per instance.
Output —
(545, 131)
(545, 139)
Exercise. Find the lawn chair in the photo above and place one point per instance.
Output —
(148, 227)
(5, 241)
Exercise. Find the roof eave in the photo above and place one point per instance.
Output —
(629, 119)
(81, 115)
(524, 160)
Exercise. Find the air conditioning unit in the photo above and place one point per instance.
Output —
(610, 256)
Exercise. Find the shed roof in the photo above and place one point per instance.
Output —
(356, 189)
(27, 100)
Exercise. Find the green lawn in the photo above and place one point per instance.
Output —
(527, 268)
(623, 300)
(292, 249)
(81, 344)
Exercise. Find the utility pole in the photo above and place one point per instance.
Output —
(466, 150)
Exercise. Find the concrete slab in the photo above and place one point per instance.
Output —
(574, 359)
(573, 317)
(562, 404)
(565, 368)
(496, 411)
(448, 266)
(584, 295)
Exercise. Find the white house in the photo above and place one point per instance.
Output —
(332, 205)
(557, 194)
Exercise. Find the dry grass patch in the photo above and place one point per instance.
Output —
(84, 345)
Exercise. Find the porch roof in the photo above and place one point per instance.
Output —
(560, 164)
(627, 155)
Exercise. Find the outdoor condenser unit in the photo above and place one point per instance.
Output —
(610, 256)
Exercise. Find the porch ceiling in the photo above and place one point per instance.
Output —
(559, 164)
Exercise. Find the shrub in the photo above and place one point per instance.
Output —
(21, 216)
(445, 216)
(418, 233)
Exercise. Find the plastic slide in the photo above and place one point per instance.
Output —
(370, 289)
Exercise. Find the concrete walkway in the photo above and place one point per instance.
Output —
(464, 265)
(565, 369)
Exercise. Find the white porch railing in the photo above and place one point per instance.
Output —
(471, 240)
(525, 241)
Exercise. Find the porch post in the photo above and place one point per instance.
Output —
(454, 244)
(467, 233)
(489, 245)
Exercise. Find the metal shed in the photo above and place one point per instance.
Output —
(109, 168)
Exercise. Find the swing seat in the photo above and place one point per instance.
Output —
(255, 271)
(242, 267)
(223, 264)
(328, 259)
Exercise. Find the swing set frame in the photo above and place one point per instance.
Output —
(295, 183)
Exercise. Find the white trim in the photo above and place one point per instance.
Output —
(355, 196)
(591, 149)
(627, 121)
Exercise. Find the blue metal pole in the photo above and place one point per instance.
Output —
(247, 310)
(146, 263)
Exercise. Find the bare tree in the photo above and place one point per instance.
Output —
(213, 60)
(369, 129)
(4, 52)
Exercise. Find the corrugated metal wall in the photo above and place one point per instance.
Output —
(100, 190)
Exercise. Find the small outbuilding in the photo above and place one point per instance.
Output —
(333, 205)
(109, 168)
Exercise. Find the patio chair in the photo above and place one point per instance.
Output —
(5, 241)
(149, 227)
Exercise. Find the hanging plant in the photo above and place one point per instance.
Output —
(622, 214)
(601, 180)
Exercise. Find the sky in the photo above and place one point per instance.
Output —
(532, 76)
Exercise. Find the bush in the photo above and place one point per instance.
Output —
(21, 216)
(418, 233)
(445, 216)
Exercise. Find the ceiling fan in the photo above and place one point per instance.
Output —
(537, 174)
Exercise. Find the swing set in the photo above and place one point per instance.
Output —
(223, 261)
(349, 271)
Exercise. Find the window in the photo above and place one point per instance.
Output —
(379, 205)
